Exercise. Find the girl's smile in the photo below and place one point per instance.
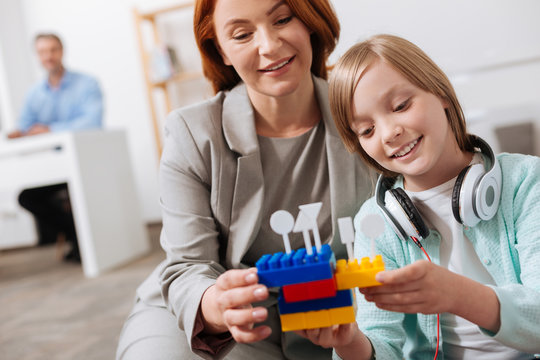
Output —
(404, 128)
(407, 149)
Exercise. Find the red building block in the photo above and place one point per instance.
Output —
(309, 290)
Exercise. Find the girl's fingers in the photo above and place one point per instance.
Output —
(405, 274)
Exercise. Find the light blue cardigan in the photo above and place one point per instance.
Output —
(509, 247)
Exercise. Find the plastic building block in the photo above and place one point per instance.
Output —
(317, 319)
(296, 267)
(350, 274)
(342, 298)
(310, 290)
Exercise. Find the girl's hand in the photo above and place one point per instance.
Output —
(421, 287)
(226, 306)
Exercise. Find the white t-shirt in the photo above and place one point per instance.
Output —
(461, 338)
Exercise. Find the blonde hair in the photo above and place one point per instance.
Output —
(411, 62)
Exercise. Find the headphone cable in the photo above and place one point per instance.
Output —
(419, 244)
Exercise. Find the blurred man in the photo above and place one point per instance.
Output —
(63, 101)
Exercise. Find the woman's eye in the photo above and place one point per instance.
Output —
(241, 36)
(401, 106)
(284, 20)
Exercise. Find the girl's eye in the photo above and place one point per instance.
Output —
(284, 20)
(401, 106)
(366, 132)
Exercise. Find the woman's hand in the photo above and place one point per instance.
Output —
(347, 340)
(332, 336)
(226, 306)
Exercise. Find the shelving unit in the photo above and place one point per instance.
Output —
(145, 48)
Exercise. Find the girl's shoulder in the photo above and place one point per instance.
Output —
(369, 205)
(516, 166)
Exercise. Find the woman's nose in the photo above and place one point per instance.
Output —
(268, 41)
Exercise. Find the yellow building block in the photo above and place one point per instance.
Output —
(317, 319)
(350, 274)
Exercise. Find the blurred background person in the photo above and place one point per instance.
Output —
(63, 101)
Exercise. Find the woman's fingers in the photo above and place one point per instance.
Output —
(227, 306)
(238, 297)
(247, 335)
(332, 336)
(237, 278)
(245, 317)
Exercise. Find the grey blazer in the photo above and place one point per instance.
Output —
(211, 185)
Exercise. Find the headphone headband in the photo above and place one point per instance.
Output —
(476, 196)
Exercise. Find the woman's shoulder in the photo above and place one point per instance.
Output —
(199, 113)
(208, 115)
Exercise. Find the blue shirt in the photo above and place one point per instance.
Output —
(76, 104)
(508, 246)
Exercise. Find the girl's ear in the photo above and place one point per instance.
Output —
(445, 103)
(224, 57)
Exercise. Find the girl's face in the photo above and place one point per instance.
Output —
(404, 128)
(267, 45)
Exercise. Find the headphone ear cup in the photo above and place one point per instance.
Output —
(464, 195)
(406, 213)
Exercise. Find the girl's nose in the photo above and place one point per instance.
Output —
(391, 132)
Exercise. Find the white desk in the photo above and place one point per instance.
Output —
(97, 168)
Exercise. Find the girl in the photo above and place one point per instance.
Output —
(439, 191)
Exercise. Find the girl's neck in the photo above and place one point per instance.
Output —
(451, 168)
(287, 116)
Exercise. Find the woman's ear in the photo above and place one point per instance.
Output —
(224, 57)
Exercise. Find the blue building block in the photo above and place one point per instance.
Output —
(343, 298)
(297, 267)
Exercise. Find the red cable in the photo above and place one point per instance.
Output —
(417, 242)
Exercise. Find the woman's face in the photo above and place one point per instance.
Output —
(268, 46)
(404, 128)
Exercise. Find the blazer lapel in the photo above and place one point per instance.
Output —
(246, 207)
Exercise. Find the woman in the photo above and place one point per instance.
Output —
(265, 142)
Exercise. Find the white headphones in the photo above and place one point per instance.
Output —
(475, 197)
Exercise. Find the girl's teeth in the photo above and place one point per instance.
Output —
(406, 150)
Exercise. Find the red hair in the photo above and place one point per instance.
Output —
(318, 16)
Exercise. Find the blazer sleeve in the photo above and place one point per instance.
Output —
(190, 236)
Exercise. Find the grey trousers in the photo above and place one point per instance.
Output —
(152, 333)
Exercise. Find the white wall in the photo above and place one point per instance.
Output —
(15, 63)
(464, 37)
